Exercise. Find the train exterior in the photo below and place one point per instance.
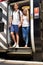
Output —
(35, 17)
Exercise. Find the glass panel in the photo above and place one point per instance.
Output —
(0, 14)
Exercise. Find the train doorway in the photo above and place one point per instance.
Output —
(22, 4)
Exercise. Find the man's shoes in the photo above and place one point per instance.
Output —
(17, 46)
(14, 45)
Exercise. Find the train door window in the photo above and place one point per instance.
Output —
(0, 14)
(23, 36)
(1, 23)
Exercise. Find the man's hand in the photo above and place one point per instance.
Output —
(10, 21)
(10, 24)
(19, 25)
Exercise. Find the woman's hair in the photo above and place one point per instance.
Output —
(25, 10)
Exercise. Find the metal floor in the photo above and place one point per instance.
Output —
(20, 50)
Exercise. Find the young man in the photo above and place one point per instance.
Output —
(15, 24)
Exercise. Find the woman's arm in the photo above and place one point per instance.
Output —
(21, 19)
(28, 15)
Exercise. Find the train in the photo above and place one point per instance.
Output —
(35, 46)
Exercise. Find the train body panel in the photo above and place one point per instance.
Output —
(3, 25)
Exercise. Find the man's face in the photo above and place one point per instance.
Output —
(16, 6)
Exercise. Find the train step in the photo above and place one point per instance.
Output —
(20, 50)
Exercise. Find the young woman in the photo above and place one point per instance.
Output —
(25, 26)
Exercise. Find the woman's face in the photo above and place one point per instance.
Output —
(24, 11)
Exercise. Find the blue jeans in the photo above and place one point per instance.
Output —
(25, 32)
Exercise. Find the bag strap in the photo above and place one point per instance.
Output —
(19, 15)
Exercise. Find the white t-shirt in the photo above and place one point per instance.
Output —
(16, 19)
(25, 21)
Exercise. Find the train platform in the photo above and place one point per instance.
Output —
(14, 62)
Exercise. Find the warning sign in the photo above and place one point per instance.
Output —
(36, 12)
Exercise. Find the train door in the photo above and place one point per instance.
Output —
(37, 25)
(3, 25)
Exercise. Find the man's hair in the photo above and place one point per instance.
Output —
(16, 4)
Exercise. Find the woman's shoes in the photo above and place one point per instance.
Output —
(26, 46)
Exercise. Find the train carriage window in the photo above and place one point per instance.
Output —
(0, 14)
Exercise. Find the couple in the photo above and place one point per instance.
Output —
(19, 19)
